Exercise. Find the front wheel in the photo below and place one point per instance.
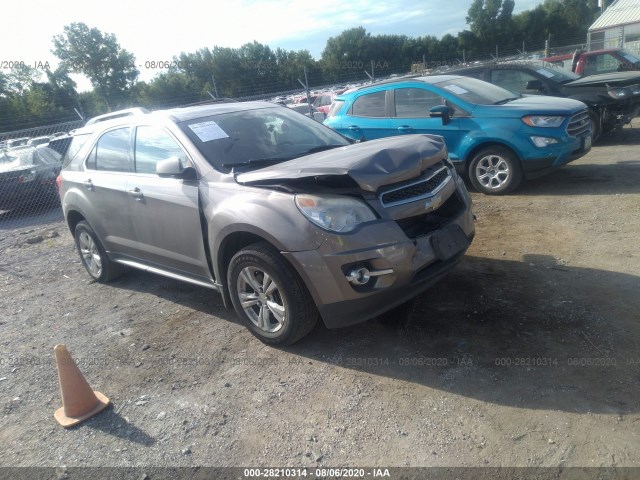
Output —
(495, 171)
(269, 296)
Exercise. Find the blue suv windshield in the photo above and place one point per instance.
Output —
(476, 91)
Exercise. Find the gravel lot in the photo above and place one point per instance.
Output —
(526, 355)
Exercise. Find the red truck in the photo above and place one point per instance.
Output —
(597, 61)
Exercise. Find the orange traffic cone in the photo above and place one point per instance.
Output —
(79, 402)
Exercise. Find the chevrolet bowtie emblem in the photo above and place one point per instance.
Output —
(433, 203)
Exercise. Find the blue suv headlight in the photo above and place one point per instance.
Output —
(546, 121)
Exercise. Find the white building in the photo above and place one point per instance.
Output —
(618, 26)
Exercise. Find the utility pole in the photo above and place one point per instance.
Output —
(215, 88)
(305, 85)
(372, 77)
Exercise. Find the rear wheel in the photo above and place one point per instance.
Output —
(93, 255)
(269, 295)
(495, 171)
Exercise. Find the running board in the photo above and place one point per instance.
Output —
(165, 273)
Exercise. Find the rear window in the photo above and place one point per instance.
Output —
(76, 144)
(335, 108)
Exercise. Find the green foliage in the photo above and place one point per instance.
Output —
(97, 55)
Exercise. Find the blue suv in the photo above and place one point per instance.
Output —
(495, 137)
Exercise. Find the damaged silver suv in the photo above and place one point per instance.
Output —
(285, 218)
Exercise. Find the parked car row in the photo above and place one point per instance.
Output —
(494, 137)
(294, 222)
(613, 99)
(27, 176)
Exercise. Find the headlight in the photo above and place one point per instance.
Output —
(635, 89)
(618, 92)
(334, 213)
(548, 121)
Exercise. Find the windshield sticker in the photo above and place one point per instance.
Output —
(546, 73)
(456, 89)
(207, 131)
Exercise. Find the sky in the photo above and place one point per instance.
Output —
(156, 31)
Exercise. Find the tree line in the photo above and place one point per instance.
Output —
(37, 95)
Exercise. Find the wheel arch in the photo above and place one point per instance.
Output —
(228, 247)
(476, 148)
(73, 218)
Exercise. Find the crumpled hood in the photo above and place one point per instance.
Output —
(613, 78)
(371, 164)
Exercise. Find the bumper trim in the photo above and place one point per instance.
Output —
(351, 312)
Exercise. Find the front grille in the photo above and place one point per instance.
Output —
(414, 190)
(579, 124)
(414, 227)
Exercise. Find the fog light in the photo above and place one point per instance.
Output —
(358, 276)
(543, 141)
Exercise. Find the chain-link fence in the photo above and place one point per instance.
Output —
(30, 161)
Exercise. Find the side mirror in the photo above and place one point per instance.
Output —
(441, 111)
(534, 85)
(172, 167)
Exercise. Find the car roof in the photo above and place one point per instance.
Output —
(179, 114)
(432, 80)
(117, 114)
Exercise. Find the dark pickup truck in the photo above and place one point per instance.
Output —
(613, 98)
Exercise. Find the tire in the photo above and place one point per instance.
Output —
(93, 255)
(596, 129)
(278, 308)
(494, 171)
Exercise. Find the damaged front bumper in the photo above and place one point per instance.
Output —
(401, 264)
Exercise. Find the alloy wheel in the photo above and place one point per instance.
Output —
(261, 299)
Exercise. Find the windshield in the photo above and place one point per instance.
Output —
(630, 57)
(476, 91)
(263, 135)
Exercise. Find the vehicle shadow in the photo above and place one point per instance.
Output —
(529, 334)
(587, 179)
(34, 215)
(191, 296)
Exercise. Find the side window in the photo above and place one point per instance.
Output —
(369, 105)
(513, 80)
(153, 145)
(112, 151)
(91, 160)
(415, 102)
(601, 64)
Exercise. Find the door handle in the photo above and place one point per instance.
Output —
(136, 193)
(88, 184)
(353, 127)
(404, 128)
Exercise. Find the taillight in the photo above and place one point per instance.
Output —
(59, 182)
